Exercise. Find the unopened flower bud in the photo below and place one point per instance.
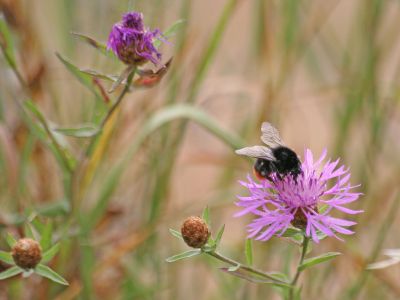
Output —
(26, 253)
(195, 232)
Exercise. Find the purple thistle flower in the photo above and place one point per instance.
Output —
(304, 202)
(132, 42)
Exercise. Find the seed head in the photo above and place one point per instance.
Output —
(26, 253)
(195, 232)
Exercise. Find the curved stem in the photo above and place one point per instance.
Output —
(244, 267)
(298, 271)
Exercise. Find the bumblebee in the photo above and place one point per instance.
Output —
(275, 157)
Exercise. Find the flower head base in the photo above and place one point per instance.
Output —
(304, 202)
(132, 42)
(195, 232)
(26, 253)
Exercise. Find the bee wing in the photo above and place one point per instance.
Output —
(257, 152)
(270, 136)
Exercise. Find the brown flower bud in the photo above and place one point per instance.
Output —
(195, 232)
(26, 253)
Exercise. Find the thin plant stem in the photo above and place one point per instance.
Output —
(298, 271)
(75, 194)
(243, 267)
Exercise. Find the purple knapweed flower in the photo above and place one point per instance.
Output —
(132, 42)
(304, 202)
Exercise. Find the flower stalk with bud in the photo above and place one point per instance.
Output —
(296, 207)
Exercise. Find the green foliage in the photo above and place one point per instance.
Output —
(6, 42)
(10, 272)
(186, 254)
(48, 273)
(309, 262)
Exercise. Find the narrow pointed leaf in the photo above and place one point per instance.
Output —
(176, 233)
(255, 279)
(6, 42)
(79, 132)
(10, 240)
(85, 79)
(31, 232)
(219, 235)
(248, 251)
(169, 32)
(184, 255)
(48, 273)
(49, 254)
(6, 257)
(10, 272)
(101, 47)
(97, 74)
(46, 234)
(317, 260)
(206, 215)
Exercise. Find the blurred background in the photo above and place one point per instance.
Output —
(326, 73)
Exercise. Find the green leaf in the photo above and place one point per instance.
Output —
(29, 105)
(176, 234)
(10, 240)
(102, 48)
(46, 234)
(169, 32)
(254, 278)
(186, 254)
(219, 235)
(10, 272)
(206, 215)
(83, 78)
(44, 133)
(97, 74)
(53, 209)
(248, 251)
(84, 131)
(6, 42)
(30, 232)
(48, 273)
(49, 254)
(318, 259)
(6, 257)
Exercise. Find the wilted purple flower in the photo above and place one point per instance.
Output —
(132, 42)
(304, 202)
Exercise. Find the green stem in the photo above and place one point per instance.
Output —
(298, 271)
(112, 109)
(244, 267)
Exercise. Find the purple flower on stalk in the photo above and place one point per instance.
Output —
(305, 202)
(132, 42)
